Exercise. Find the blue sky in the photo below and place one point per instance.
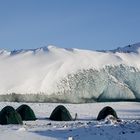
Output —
(85, 24)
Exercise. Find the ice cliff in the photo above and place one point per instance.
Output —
(52, 74)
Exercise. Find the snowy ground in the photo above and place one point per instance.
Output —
(85, 128)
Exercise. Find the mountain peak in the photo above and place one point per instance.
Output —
(128, 49)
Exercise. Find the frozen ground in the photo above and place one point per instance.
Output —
(85, 128)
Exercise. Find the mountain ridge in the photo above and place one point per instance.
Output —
(134, 48)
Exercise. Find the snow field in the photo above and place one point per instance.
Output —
(84, 128)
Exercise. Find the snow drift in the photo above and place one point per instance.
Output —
(70, 75)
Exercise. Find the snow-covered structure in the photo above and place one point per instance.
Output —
(70, 75)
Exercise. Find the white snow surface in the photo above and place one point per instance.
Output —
(84, 128)
(70, 75)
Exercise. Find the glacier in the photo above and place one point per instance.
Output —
(52, 74)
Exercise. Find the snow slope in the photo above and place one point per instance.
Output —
(70, 75)
(84, 128)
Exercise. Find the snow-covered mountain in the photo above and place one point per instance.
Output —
(70, 75)
(128, 49)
